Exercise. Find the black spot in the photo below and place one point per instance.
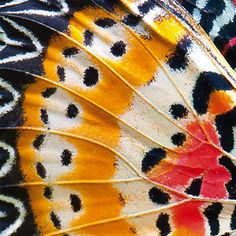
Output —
(178, 139)
(131, 20)
(212, 212)
(118, 49)
(55, 220)
(41, 171)
(91, 76)
(225, 124)
(133, 230)
(61, 73)
(66, 157)
(5, 96)
(72, 111)
(69, 52)
(207, 82)
(88, 38)
(178, 60)
(105, 22)
(158, 196)
(48, 192)
(122, 200)
(44, 116)
(230, 166)
(147, 6)
(226, 234)
(195, 187)
(152, 158)
(75, 202)
(4, 156)
(163, 225)
(233, 220)
(178, 111)
(48, 92)
(39, 141)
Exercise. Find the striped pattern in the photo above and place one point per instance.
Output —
(110, 123)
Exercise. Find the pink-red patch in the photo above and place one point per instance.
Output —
(197, 160)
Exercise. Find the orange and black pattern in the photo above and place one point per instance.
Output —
(116, 118)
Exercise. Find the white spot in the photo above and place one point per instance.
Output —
(150, 122)
(137, 192)
(161, 92)
(133, 147)
(56, 106)
(50, 156)
(74, 71)
(62, 206)
(107, 37)
(122, 170)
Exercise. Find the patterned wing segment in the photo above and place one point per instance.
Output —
(218, 19)
(122, 130)
(15, 210)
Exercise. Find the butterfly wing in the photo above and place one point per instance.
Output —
(117, 119)
(218, 19)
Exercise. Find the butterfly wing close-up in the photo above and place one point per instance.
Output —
(218, 19)
(117, 118)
